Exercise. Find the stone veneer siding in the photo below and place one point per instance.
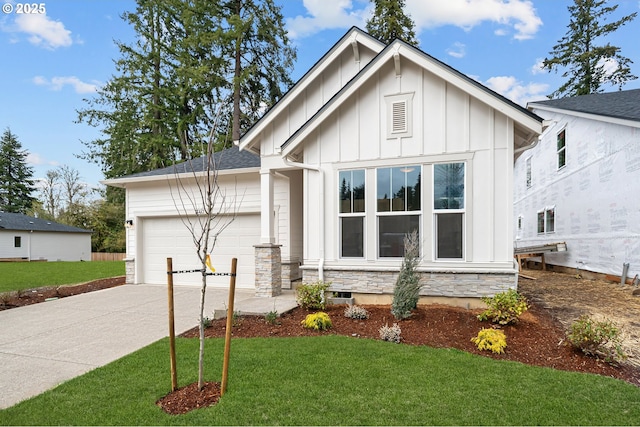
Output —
(130, 270)
(438, 284)
(290, 272)
(268, 270)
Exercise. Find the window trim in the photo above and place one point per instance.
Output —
(545, 220)
(562, 149)
(440, 211)
(17, 241)
(352, 214)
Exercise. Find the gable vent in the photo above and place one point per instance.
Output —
(399, 117)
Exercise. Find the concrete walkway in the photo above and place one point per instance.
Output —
(45, 344)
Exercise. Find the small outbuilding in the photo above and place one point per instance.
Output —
(25, 238)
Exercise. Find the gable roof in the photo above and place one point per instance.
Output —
(528, 124)
(623, 105)
(20, 222)
(350, 40)
(230, 159)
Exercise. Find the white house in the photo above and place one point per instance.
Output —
(581, 183)
(34, 239)
(373, 142)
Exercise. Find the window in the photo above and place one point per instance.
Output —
(547, 220)
(399, 113)
(352, 212)
(529, 172)
(561, 144)
(449, 209)
(398, 207)
(17, 242)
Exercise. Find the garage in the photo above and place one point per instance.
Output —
(168, 237)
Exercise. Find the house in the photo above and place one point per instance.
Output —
(580, 184)
(25, 238)
(373, 142)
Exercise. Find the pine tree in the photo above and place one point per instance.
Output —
(16, 177)
(588, 64)
(389, 22)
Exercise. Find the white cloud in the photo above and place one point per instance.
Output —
(326, 14)
(57, 83)
(43, 31)
(517, 91)
(519, 14)
(37, 160)
(537, 67)
(331, 14)
(457, 50)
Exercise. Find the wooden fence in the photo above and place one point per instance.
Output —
(105, 256)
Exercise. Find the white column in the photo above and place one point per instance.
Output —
(266, 206)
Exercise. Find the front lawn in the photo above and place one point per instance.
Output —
(334, 380)
(15, 276)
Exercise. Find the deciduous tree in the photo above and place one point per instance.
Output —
(588, 62)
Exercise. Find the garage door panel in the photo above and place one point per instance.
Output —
(169, 237)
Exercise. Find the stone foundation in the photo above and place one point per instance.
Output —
(377, 286)
(290, 272)
(130, 271)
(268, 270)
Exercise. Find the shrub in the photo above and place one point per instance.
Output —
(356, 312)
(391, 334)
(271, 317)
(319, 321)
(407, 288)
(504, 308)
(206, 322)
(311, 296)
(490, 339)
(600, 339)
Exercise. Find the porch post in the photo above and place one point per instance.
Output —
(267, 254)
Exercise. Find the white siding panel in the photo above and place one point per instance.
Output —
(60, 246)
(482, 215)
(481, 118)
(7, 244)
(349, 131)
(457, 120)
(369, 123)
(434, 114)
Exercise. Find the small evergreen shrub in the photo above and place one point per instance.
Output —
(206, 322)
(271, 317)
(504, 308)
(319, 321)
(490, 339)
(356, 312)
(600, 339)
(311, 296)
(390, 333)
(407, 288)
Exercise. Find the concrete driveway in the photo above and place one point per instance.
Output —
(45, 344)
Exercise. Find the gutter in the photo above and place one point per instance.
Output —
(545, 125)
(321, 213)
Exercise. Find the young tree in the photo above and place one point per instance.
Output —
(50, 192)
(389, 22)
(206, 211)
(406, 292)
(589, 64)
(16, 177)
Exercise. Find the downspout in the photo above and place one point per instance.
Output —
(545, 126)
(321, 213)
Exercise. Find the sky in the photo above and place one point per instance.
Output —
(53, 59)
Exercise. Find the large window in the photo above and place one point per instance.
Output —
(352, 212)
(449, 209)
(562, 149)
(398, 207)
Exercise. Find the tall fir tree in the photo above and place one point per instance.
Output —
(389, 22)
(588, 63)
(16, 177)
(190, 57)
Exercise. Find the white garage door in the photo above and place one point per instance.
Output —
(169, 237)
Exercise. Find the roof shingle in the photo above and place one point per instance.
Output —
(623, 104)
(20, 222)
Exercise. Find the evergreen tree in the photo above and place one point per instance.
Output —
(16, 177)
(588, 63)
(389, 22)
(406, 292)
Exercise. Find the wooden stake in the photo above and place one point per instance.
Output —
(172, 331)
(227, 338)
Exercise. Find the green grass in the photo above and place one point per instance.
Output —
(15, 276)
(334, 380)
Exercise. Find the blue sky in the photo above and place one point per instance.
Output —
(50, 62)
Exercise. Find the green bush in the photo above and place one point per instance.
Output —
(504, 308)
(600, 339)
(390, 333)
(311, 296)
(490, 339)
(271, 317)
(407, 288)
(356, 312)
(319, 321)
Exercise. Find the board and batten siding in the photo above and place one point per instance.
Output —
(448, 125)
